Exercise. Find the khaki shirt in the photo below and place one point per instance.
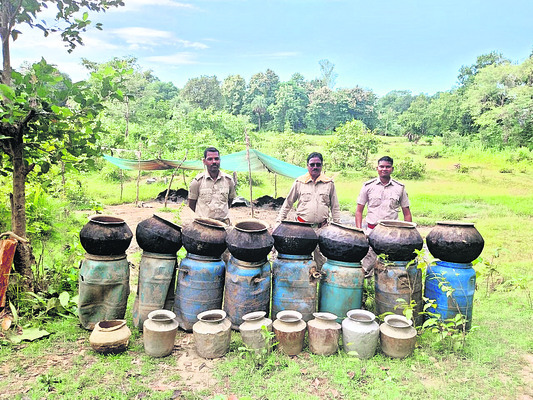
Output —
(314, 200)
(384, 201)
(212, 195)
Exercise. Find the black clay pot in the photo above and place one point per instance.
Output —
(249, 240)
(294, 238)
(157, 235)
(343, 243)
(458, 242)
(105, 235)
(397, 239)
(204, 237)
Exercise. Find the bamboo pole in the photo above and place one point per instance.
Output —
(172, 177)
(138, 178)
(247, 139)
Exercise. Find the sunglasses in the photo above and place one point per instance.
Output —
(314, 165)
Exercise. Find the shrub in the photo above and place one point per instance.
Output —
(409, 169)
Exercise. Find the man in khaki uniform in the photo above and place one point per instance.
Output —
(316, 196)
(212, 191)
(384, 196)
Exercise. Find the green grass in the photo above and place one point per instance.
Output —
(491, 364)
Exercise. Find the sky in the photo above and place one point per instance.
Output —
(380, 45)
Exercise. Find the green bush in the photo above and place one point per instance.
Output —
(409, 169)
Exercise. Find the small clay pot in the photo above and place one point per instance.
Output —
(111, 336)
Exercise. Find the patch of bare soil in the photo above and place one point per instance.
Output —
(526, 391)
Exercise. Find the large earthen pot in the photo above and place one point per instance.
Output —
(157, 235)
(204, 237)
(343, 243)
(105, 235)
(458, 242)
(294, 238)
(249, 240)
(397, 239)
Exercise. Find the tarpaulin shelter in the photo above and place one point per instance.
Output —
(259, 162)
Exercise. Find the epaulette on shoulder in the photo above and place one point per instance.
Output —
(199, 176)
(398, 182)
(370, 181)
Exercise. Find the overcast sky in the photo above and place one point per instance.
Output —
(382, 45)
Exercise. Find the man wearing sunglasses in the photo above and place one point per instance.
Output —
(316, 197)
(385, 197)
(212, 192)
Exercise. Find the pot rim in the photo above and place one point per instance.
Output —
(402, 322)
(106, 219)
(392, 223)
(121, 323)
(221, 313)
(352, 314)
(455, 223)
(325, 316)
(254, 220)
(211, 223)
(166, 221)
(166, 313)
(350, 227)
(254, 316)
(289, 316)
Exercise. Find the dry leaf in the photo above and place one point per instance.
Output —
(303, 371)
(384, 368)
(351, 374)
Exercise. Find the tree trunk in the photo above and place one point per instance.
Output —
(24, 258)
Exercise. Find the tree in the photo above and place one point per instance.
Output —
(322, 111)
(327, 75)
(416, 120)
(29, 105)
(351, 144)
(203, 92)
(259, 107)
(261, 84)
(467, 73)
(290, 106)
(233, 91)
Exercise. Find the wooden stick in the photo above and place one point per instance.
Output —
(172, 177)
(247, 139)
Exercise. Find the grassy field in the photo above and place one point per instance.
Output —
(496, 361)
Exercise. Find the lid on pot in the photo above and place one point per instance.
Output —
(289, 316)
(350, 227)
(325, 316)
(254, 316)
(106, 219)
(297, 223)
(455, 223)
(166, 221)
(392, 223)
(211, 223)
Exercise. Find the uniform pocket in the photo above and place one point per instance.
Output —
(394, 204)
(325, 198)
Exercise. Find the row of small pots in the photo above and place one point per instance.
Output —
(360, 333)
(212, 334)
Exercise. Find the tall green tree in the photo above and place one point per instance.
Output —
(290, 106)
(203, 92)
(32, 101)
(233, 91)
